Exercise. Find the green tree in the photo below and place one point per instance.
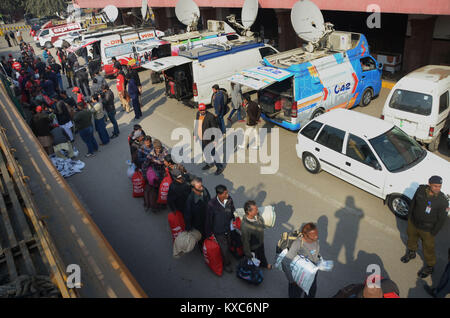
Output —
(42, 8)
(9, 6)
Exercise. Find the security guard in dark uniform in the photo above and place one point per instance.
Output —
(427, 214)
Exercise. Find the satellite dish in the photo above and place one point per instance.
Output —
(188, 13)
(307, 21)
(249, 13)
(144, 8)
(111, 12)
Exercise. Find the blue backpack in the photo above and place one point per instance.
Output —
(248, 272)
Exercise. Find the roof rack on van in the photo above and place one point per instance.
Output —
(300, 55)
(209, 51)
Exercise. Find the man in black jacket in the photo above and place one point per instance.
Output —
(205, 120)
(427, 215)
(108, 104)
(219, 214)
(179, 191)
(64, 118)
(83, 79)
(195, 210)
(253, 113)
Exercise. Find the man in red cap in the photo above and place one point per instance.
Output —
(205, 120)
(79, 96)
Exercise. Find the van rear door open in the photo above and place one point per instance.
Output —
(166, 63)
(260, 77)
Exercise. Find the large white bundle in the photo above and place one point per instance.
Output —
(266, 212)
(303, 272)
(185, 242)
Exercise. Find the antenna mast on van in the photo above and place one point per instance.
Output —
(248, 14)
(188, 13)
(309, 25)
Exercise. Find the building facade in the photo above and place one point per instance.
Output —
(412, 33)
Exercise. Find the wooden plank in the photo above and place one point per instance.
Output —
(19, 213)
(11, 265)
(6, 221)
(27, 258)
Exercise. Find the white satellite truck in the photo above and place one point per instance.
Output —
(189, 77)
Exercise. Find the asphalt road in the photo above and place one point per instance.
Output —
(355, 228)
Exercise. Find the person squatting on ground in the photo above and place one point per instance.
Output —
(204, 120)
(252, 234)
(427, 215)
(61, 142)
(219, 215)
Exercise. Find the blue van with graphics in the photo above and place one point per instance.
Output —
(296, 86)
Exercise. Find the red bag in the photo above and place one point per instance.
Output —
(176, 223)
(212, 255)
(172, 88)
(138, 184)
(237, 223)
(164, 188)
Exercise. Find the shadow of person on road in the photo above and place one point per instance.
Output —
(347, 230)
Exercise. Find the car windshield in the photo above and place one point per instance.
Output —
(122, 49)
(412, 102)
(397, 150)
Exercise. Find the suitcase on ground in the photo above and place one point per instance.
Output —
(212, 255)
(176, 223)
(249, 272)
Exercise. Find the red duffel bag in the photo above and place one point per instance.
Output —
(138, 182)
(212, 255)
(176, 223)
(164, 188)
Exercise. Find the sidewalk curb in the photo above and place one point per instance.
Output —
(387, 84)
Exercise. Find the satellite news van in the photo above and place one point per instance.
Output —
(46, 37)
(137, 47)
(335, 70)
(191, 75)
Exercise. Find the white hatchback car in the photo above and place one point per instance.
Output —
(372, 154)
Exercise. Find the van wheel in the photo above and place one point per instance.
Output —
(366, 97)
(48, 45)
(311, 163)
(434, 145)
(317, 113)
(399, 205)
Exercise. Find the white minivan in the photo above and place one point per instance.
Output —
(371, 154)
(419, 104)
(190, 75)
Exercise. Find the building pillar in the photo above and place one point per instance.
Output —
(417, 50)
(287, 38)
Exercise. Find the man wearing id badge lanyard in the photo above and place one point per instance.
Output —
(427, 215)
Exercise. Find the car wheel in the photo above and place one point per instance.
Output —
(434, 145)
(399, 205)
(317, 113)
(311, 163)
(48, 45)
(366, 97)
